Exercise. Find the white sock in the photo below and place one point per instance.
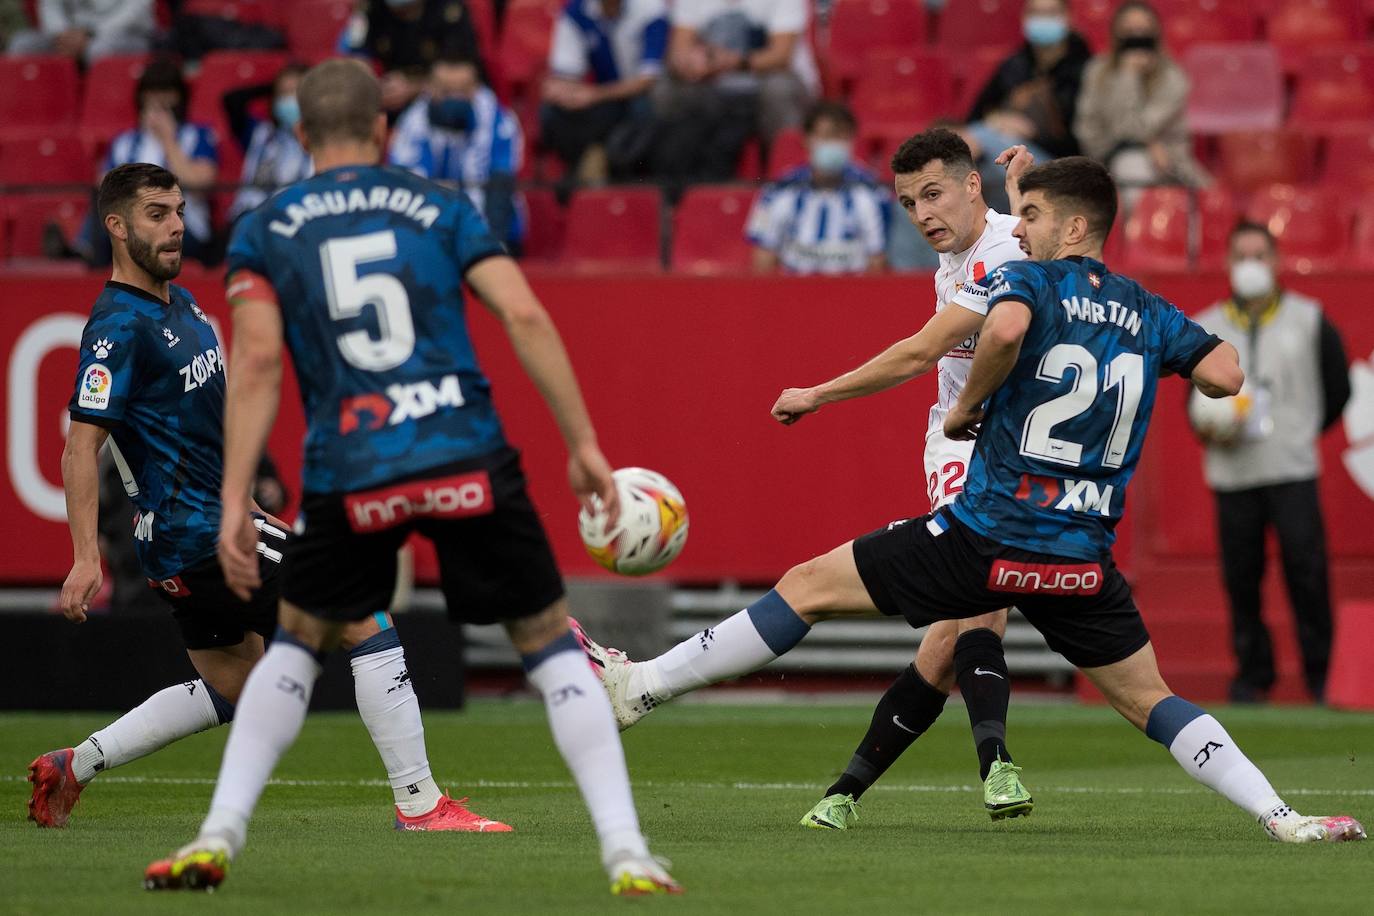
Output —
(168, 715)
(584, 730)
(1210, 755)
(733, 647)
(270, 714)
(391, 712)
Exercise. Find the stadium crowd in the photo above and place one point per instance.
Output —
(716, 135)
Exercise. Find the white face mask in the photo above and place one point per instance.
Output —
(1251, 279)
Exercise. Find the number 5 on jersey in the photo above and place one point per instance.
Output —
(348, 294)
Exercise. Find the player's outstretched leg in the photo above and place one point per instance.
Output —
(391, 711)
(169, 715)
(1207, 753)
(980, 667)
(585, 733)
(271, 712)
(828, 586)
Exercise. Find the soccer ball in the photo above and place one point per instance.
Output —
(1220, 419)
(651, 530)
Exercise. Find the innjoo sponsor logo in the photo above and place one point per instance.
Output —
(1045, 578)
(459, 496)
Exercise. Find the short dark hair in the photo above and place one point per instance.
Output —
(926, 147)
(1244, 226)
(163, 74)
(830, 110)
(1083, 184)
(340, 100)
(121, 184)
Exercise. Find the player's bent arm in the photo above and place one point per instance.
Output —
(254, 393)
(999, 344)
(906, 359)
(1218, 374)
(501, 286)
(81, 483)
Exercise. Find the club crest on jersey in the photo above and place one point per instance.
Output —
(1065, 495)
(402, 402)
(1095, 280)
(195, 310)
(94, 390)
(102, 347)
(172, 339)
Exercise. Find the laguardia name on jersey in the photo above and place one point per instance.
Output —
(1063, 434)
(152, 373)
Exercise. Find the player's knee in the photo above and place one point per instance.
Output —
(805, 588)
(530, 634)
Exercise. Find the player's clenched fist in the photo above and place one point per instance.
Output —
(962, 424)
(82, 582)
(795, 403)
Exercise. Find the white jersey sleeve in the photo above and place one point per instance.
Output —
(999, 248)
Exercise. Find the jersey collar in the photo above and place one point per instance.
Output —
(141, 293)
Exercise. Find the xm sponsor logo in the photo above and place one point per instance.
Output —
(401, 402)
(1066, 495)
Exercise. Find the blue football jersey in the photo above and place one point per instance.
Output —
(367, 265)
(152, 373)
(1063, 434)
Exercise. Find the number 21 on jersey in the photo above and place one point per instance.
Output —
(1124, 375)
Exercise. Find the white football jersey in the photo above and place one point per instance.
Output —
(956, 284)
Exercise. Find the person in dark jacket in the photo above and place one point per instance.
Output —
(1033, 95)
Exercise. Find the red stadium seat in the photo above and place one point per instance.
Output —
(313, 27)
(860, 27)
(1336, 88)
(708, 231)
(1362, 241)
(1236, 86)
(547, 225)
(1310, 223)
(1194, 22)
(1093, 20)
(39, 95)
(750, 165)
(525, 36)
(107, 104)
(613, 229)
(968, 24)
(787, 152)
(45, 160)
(1350, 160)
(483, 15)
(30, 215)
(221, 71)
(899, 94)
(1297, 26)
(1156, 232)
(1251, 159)
(1216, 217)
(972, 72)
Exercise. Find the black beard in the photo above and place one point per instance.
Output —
(143, 254)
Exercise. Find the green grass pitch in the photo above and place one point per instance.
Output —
(720, 788)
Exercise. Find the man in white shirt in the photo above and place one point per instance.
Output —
(942, 193)
(604, 58)
(87, 30)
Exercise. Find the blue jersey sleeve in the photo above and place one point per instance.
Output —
(1184, 343)
(245, 248)
(1022, 281)
(472, 236)
(108, 369)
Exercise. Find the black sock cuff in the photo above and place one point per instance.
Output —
(979, 648)
(919, 685)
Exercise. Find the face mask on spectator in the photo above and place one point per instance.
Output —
(1046, 30)
(452, 114)
(287, 111)
(1251, 279)
(829, 157)
(1138, 43)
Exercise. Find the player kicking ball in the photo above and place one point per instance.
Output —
(939, 187)
(1059, 398)
(151, 383)
(359, 270)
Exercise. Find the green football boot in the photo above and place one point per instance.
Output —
(1003, 794)
(834, 812)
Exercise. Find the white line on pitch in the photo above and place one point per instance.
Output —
(651, 784)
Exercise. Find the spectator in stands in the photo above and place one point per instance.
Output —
(736, 68)
(1297, 384)
(162, 137)
(273, 157)
(88, 29)
(602, 128)
(12, 20)
(1033, 95)
(1131, 110)
(406, 37)
(458, 131)
(826, 217)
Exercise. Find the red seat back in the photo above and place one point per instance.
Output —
(221, 71)
(614, 229)
(1251, 159)
(525, 37)
(1217, 216)
(981, 23)
(1362, 241)
(313, 27)
(30, 215)
(1350, 160)
(787, 151)
(861, 27)
(55, 160)
(1235, 86)
(1336, 87)
(107, 104)
(1311, 225)
(38, 95)
(1156, 233)
(899, 94)
(1297, 26)
(708, 231)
